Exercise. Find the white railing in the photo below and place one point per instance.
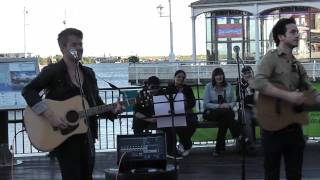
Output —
(197, 71)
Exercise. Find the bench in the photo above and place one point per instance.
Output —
(201, 124)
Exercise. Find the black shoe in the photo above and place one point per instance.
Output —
(251, 151)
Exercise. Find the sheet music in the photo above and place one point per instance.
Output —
(162, 107)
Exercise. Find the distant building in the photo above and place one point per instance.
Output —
(15, 55)
(110, 59)
(248, 24)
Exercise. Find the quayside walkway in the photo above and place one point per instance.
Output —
(200, 165)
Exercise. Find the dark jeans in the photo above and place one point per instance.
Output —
(289, 143)
(75, 159)
(225, 118)
(139, 125)
(184, 134)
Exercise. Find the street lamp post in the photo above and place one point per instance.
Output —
(64, 22)
(24, 32)
(171, 55)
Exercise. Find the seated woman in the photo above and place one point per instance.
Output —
(184, 133)
(219, 99)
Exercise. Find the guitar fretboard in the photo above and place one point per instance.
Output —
(101, 109)
(97, 110)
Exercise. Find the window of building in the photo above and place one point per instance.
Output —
(307, 20)
(228, 28)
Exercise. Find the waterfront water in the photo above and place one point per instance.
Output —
(116, 74)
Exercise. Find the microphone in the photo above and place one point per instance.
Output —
(236, 49)
(74, 54)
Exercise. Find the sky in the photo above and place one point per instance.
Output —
(110, 27)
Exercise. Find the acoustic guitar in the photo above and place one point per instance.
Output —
(275, 114)
(44, 137)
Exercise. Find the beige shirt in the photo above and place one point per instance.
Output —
(276, 67)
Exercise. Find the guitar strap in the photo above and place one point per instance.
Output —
(301, 85)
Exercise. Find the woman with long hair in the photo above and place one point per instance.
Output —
(219, 100)
(184, 133)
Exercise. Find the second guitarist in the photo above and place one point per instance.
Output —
(279, 66)
(59, 82)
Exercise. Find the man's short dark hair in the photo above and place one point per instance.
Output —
(154, 80)
(63, 35)
(280, 28)
(180, 71)
(246, 69)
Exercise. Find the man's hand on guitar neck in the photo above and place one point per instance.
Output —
(119, 108)
(54, 120)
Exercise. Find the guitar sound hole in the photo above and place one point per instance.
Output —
(72, 116)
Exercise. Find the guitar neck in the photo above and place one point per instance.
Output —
(97, 110)
(102, 109)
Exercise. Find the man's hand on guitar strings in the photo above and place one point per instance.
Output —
(296, 97)
(55, 121)
(224, 105)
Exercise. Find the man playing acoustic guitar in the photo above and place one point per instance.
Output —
(61, 81)
(281, 79)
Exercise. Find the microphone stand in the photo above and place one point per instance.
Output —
(86, 119)
(243, 115)
(116, 88)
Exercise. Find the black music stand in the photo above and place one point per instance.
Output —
(171, 99)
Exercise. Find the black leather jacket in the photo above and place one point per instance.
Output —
(56, 84)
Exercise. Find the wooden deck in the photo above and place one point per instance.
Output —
(200, 165)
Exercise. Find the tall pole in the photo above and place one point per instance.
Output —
(65, 19)
(24, 33)
(194, 50)
(171, 55)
